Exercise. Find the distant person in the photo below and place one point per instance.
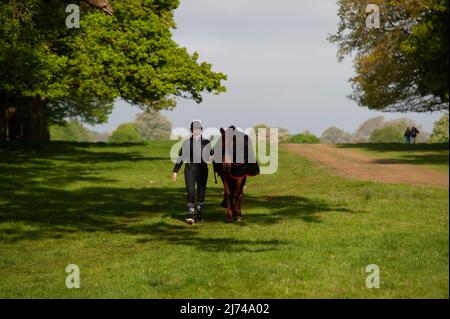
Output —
(407, 136)
(414, 133)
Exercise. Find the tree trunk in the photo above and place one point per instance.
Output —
(2, 122)
(23, 119)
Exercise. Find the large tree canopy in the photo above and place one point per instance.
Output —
(403, 65)
(80, 72)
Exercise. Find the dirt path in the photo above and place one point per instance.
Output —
(360, 166)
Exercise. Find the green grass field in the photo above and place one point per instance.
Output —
(114, 211)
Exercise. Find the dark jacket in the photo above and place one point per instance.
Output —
(191, 153)
(414, 132)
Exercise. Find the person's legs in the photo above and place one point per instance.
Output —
(189, 178)
(202, 179)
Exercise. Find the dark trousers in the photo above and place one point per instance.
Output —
(196, 174)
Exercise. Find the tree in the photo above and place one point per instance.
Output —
(334, 135)
(304, 138)
(403, 65)
(102, 5)
(49, 72)
(153, 126)
(283, 134)
(440, 130)
(125, 133)
(72, 131)
(364, 131)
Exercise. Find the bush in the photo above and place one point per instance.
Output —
(387, 134)
(440, 130)
(304, 138)
(72, 131)
(125, 133)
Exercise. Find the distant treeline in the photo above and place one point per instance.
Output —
(374, 130)
(148, 126)
(151, 126)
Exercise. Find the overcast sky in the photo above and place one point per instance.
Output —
(281, 69)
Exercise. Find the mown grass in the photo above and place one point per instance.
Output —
(113, 211)
(429, 155)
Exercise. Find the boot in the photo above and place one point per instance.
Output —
(191, 216)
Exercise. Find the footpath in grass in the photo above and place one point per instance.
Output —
(353, 163)
(428, 155)
(114, 211)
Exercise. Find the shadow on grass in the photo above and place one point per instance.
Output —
(425, 159)
(271, 209)
(42, 153)
(34, 206)
(397, 147)
(421, 154)
(47, 212)
(188, 236)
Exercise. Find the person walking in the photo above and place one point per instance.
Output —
(195, 153)
(414, 133)
(407, 136)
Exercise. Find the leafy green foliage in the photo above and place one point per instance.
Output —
(440, 130)
(80, 72)
(125, 133)
(403, 65)
(304, 138)
(387, 134)
(72, 131)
